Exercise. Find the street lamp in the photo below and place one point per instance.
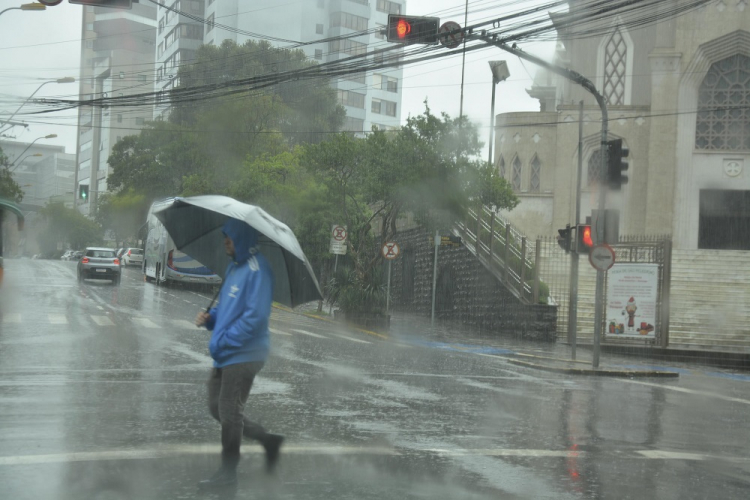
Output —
(500, 73)
(50, 136)
(67, 79)
(26, 6)
(19, 162)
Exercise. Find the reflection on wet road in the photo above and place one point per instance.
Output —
(102, 396)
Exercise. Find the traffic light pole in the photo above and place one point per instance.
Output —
(591, 88)
(573, 299)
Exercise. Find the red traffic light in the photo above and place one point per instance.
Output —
(403, 28)
(585, 238)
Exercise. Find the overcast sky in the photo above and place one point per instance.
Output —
(38, 46)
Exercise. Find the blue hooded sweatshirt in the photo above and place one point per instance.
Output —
(240, 319)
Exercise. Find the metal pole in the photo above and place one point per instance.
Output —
(573, 299)
(463, 68)
(336, 263)
(434, 276)
(492, 120)
(388, 294)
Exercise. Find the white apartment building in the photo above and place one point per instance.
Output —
(372, 99)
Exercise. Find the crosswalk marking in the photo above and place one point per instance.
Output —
(352, 339)
(57, 319)
(145, 323)
(311, 334)
(278, 332)
(102, 321)
(11, 318)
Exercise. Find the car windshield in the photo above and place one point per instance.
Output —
(136, 251)
(101, 254)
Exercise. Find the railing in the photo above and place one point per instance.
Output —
(504, 251)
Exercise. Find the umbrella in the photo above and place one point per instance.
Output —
(195, 225)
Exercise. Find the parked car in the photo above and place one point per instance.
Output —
(100, 263)
(132, 256)
(67, 255)
(77, 255)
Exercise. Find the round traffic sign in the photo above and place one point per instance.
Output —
(339, 233)
(390, 250)
(454, 39)
(602, 257)
(50, 3)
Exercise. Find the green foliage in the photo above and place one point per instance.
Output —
(123, 213)
(353, 292)
(9, 189)
(67, 226)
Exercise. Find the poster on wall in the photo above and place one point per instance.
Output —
(632, 292)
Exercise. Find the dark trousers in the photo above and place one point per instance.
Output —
(228, 389)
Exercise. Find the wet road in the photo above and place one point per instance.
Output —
(102, 397)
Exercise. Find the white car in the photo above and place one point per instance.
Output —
(67, 255)
(132, 256)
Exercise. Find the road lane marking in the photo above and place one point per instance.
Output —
(183, 323)
(100, 308)
(145, 323)
(688, 391)
(57, 319)
(278, 332)
(102, 320)
(311, 334)
(11, 318)
(350, 338)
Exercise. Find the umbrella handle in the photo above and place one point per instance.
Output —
(213, 300)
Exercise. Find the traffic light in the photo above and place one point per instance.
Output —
(115, 4)
(83, 192)
(412, 29)
(584, 238)
(565, 238)
(616, 166)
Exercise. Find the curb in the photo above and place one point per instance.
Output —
(594, 372)
(328, 320)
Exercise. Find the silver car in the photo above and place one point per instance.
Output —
(99, 263)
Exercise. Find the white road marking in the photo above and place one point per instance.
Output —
(11, 318)
(100, 308)
(183, 323)
(145, 323)
(350, 338)
(102, 320)
(57, 319)
(688, 391)
(311, 334)
(278, 332)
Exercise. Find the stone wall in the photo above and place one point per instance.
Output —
(466, 291)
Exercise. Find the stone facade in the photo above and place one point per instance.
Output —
(466, 291)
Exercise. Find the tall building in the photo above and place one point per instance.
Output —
(41, 170)
(117, 59)
(369, 99)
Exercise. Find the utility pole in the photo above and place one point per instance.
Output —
(573, 298)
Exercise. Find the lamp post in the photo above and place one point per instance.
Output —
(67, 79)
(500, 73)
(26, 6)
(19, 162)
(50, 136)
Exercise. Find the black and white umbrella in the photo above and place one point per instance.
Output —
(195, 225)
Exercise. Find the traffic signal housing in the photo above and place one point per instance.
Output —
(412, 29)
(616, 165)
(566, 238)
(584, 238)
(83, 192)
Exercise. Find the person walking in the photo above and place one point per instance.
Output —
(239, 347)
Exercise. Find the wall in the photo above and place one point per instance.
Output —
(466, 292)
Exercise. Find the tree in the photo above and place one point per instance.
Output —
(67, 226)
(123, 214)
(9, 188)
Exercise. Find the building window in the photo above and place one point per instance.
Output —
(380, 33)
(119, 138)
(85, 146)
(141, 78)
(501, 166)
(383, 107)
(349, 47)
(352, 124)
(353, 99)
(346, 20)
(615, 66)
(726, 85)
(210, 23)
(119, 118)
(319, 29)
(161, 25)
(535, 183)
(382, 82)
(389, 7)
(594, 168)
(139, 121)
(319, 54)
(354, 77)
(84, 165)
(516, 180)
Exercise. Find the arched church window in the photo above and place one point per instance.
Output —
(615, 67)
(723, 120)
(516, 179)
(594, 168)
(535, 183)
(501, 166)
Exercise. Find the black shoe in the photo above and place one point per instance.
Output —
(272, 444)
(222, 478)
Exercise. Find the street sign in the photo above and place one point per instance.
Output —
(602, 257)
(454, 39)
(391, 250)
(450, 241)
(338, 240)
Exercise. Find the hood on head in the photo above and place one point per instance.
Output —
(243, 236)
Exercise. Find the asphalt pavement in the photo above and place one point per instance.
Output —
(102, 396)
